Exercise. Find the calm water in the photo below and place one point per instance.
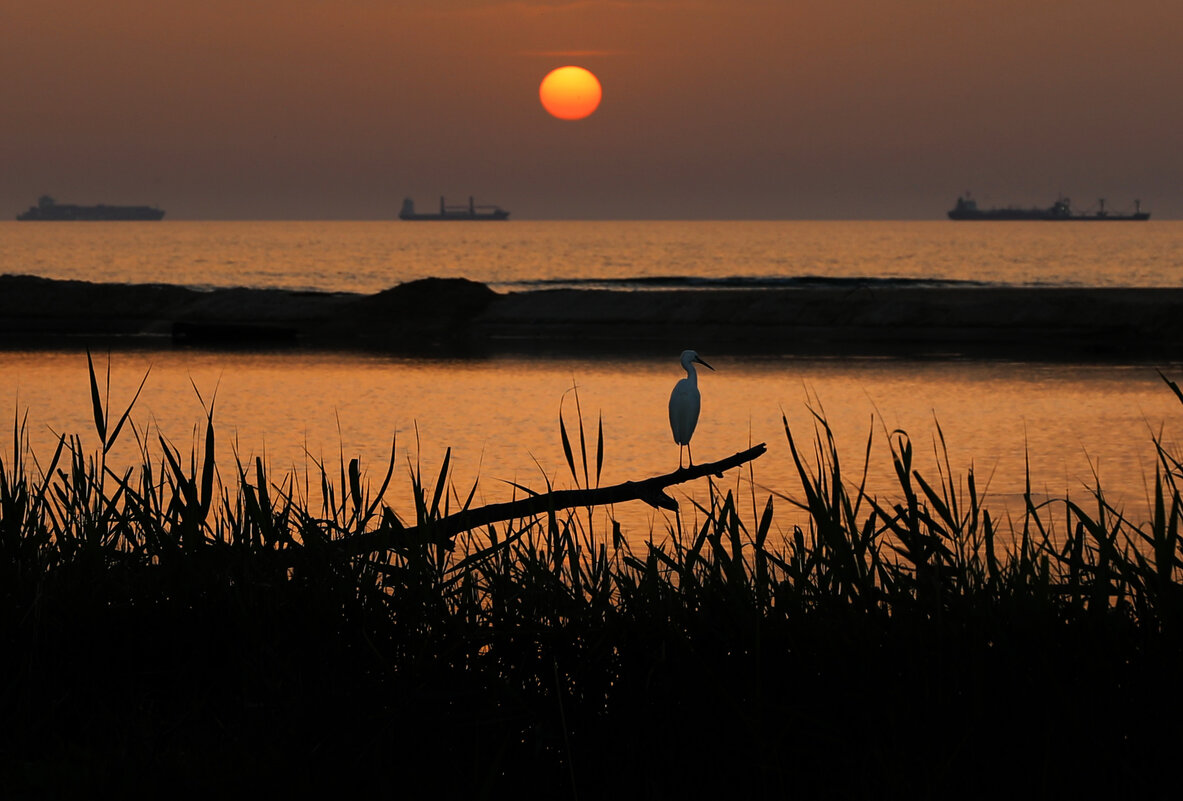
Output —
(370, 256)
(500, 416)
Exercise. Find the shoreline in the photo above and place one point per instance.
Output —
(460, 317)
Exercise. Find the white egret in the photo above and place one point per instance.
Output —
(685, 402)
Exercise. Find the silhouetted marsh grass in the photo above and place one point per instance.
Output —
(166, 624)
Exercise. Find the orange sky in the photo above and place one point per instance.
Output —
(337, 109)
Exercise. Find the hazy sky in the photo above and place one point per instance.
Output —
(337, 109)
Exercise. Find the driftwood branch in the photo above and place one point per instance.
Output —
(651, 490)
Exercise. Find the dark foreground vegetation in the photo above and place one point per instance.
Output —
(169, 630)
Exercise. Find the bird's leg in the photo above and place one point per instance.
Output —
(689, 455)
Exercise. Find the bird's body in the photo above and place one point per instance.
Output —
(685, 404)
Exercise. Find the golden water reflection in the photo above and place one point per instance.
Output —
(500, 418)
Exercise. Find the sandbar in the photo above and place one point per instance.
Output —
(460, 317)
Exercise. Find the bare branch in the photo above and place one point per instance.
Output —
(651, 490)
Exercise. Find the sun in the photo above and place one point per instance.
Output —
(570, 93)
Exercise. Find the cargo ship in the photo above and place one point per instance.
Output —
(446, 212)
(49, 210)
(967, 209)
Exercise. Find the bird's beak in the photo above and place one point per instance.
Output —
(704, 364)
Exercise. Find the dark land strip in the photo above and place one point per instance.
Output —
(460, 317)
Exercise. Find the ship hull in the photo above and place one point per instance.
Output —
(454, 217)
(1041, 214)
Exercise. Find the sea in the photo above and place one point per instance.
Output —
(1053, 429)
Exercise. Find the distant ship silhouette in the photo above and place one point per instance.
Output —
(967, 209)
(49, 210)
(469, 212)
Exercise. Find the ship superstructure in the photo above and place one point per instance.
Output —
(470, 212)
